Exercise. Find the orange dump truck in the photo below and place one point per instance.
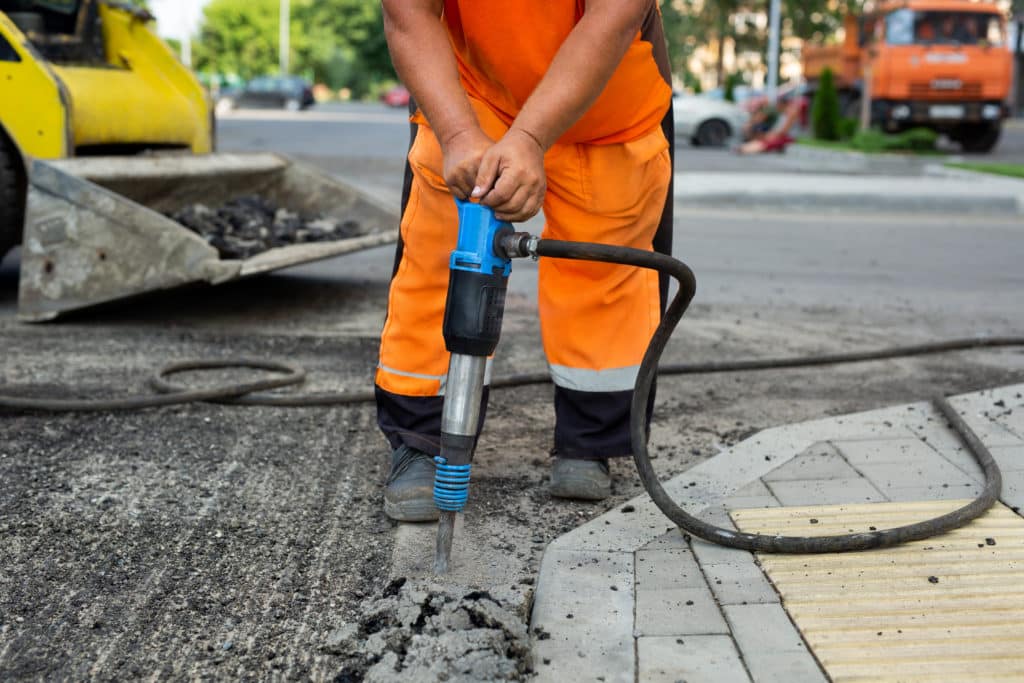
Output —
(940, 64)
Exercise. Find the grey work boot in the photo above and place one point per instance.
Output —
(580, 479)
(409, 495)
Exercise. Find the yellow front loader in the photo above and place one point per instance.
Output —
(102, 133)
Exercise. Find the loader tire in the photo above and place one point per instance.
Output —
(12, 196)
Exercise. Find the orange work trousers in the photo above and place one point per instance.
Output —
(596, 319)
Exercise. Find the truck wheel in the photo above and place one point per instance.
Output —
(713, 133)
(12, 197)
(977, 138)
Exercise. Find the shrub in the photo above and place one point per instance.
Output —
(913, 140)
(825, 114)
(848, 128)
(729, 90)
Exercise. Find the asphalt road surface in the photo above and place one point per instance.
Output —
(210, 541)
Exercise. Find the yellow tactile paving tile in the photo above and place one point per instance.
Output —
(946, 609)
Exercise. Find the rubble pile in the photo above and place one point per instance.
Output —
(430, 633)
(251, 224)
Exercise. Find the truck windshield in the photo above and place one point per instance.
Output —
(907, 27)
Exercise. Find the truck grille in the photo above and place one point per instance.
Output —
(943, 88)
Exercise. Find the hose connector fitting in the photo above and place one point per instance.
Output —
(519, 245)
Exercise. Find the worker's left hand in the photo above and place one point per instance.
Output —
(511, 178)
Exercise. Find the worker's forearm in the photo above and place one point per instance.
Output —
(425, 62)
(581, 69)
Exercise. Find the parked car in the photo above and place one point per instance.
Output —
(397, 96)
(270, 92)
(706, 122)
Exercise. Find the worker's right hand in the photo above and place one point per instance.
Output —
(462, 155)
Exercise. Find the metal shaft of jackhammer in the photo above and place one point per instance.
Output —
(460, 420)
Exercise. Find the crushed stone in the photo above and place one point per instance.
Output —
(251, 224)
(431, 632)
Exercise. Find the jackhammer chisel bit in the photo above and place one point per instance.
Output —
(478, 280)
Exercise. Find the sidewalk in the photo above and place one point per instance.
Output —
(939, 191)
(628, 598)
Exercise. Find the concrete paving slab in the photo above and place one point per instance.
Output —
(822, 465)
(737, 502)
(668, 569)
(677, 612)
(974, 409)
(755, 488)
(582, 629)
(921, 493)
(711, 553)
(938, 472)
(821, 491)
(1013, 489)
(694, 659)
(772, 648)
(1010, 458)
(880, 451)
(739, 583)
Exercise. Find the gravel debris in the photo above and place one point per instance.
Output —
(251, 224)
(432, 632)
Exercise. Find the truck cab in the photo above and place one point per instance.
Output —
(943, 65)
(939, 64)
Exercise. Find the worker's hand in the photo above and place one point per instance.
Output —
(511, 179)
(462, 155)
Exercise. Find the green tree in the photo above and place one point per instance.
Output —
(336, 42)
(731, 81)
(238, 37)
(343, 44)
(825, 116)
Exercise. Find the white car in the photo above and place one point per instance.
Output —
(707, 122)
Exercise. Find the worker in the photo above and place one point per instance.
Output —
(556, 104)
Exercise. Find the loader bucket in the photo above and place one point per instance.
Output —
(95, 229)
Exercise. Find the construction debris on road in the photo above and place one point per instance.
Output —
(251, 224)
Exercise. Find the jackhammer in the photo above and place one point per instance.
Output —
(478, 281)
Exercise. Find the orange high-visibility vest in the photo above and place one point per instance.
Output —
(503, 49)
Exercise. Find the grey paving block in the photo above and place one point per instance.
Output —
(825, 491)
(901, 450)
(771, 646)
(739, 583)
(1010, 458)
(589, 625)
(677, 612)
(667, 569)
(693, 659)
(755, 488)
(823, 462)
(1012, 419)
(937, 472)
(672, 539)
(924, 493)
(711, 553)
(672, 596)
(743, 502)
(976, 410)
(1013, 489)
(962, 458)
(891, 431)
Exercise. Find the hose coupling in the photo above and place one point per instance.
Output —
(451, 485)
(520, 245)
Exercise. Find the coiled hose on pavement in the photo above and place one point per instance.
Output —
(247, 393)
